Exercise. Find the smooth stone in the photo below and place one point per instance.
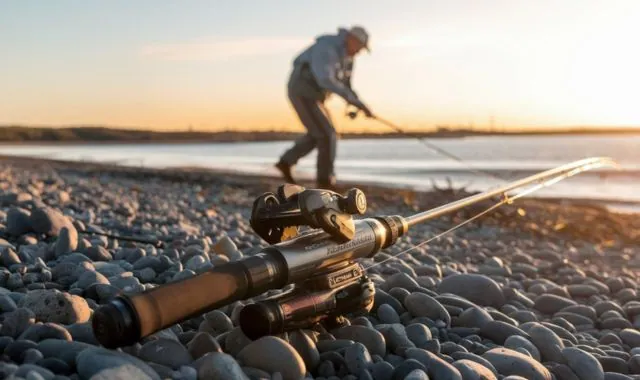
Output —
(273, 354)
(547, 342)
(584, 310)
(357, 358)
(422, 305)
(583, 364)
(167, 352)
(305, 346)
(634, 364)
(616, 376)
(476, 288)
(551, 303)
(16, 322)
(515, 341)
(471, 370)
(418, 333)
(109, 363)
(417, 374)
(219, 365)
(474, 317)
(630, 337)
(613, 364)
(382, 371)
(499, 331)
(395, 336)
(387, 314)
(475, 358)
(561, 332)
(406, 367)
(510, 362)
(562, 372)
(54, 365)
(27, 370)
(42, 331)
(63, 350)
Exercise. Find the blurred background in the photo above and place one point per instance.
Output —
(509, 86)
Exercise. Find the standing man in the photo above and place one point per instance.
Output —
(323, 68)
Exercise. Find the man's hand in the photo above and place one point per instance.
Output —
(367, 111)
(361, 106)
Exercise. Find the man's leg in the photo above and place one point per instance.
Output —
(320, 133)
(303, 146)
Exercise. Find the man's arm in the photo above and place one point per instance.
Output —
(323, 66)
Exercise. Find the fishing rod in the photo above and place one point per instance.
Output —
(471, 168)
(321, 264)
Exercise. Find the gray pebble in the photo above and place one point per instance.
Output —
(373, 340)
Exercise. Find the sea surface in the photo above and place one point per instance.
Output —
(397, 162)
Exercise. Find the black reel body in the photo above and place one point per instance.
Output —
(324, 298)
(277, 217)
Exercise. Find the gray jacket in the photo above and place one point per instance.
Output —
(324, 68)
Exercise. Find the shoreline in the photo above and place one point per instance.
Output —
(113, 136)
(544, 209)
(238, 176)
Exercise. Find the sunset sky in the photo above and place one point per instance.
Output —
(216, 64)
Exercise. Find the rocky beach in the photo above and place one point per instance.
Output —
(537, 289)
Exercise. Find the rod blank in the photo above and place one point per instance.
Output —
(543, 179)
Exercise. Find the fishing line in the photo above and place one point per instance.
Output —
(434, 147)
(440, 234)
(505, 199)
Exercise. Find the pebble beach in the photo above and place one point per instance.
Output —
(537, 289)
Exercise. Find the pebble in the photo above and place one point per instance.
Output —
(401, 371)
(201, 344)
(470, 370)
(630, 337)
(515, 342)
(167, 352)
(219, 365)
(422, 305)
(474, 317)
(273, 354)
(373, 340)
(108, 363)
(547, 342)
(357, 358)
(56, 306)
(509, 362)
(382, 371)
(476, 288)
(499, 331)
(550, 303)
(583, 364)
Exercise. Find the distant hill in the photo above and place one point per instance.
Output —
(78, 135)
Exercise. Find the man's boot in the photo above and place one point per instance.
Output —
(285, 170)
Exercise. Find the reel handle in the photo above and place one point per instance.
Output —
(276, 217)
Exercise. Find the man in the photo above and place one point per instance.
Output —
(323, 68)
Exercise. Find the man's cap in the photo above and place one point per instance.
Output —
(361, 34)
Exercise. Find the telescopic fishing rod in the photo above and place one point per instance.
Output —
(328, 282)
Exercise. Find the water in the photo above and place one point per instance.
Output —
(396, 162)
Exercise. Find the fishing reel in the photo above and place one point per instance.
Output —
(323, 299)
(326, 297)
(277, 217)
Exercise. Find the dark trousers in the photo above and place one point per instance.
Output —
(320, 134)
